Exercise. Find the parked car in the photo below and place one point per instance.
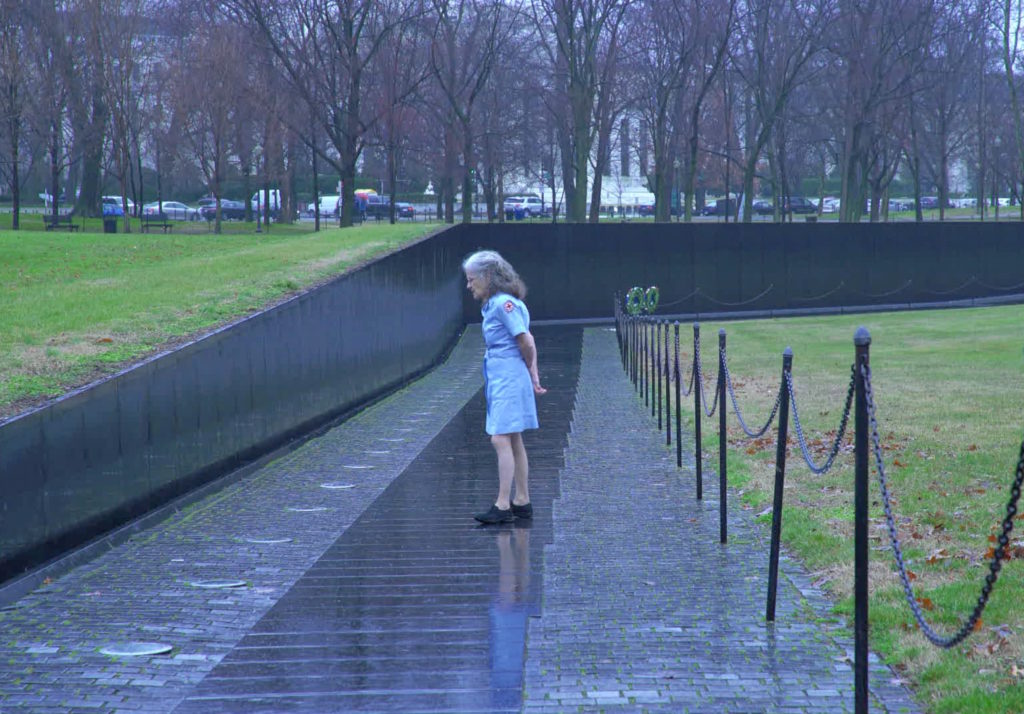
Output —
(720, 207)
(229, 210)
(762, 207)
(404, 210)
(172, 209)
(531, 206)
(900, 204)
(830, 204)
(799, 204)
(645, 209)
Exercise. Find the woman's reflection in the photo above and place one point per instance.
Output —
(508, 613)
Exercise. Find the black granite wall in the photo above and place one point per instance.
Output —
(572, 270)
(96, 458)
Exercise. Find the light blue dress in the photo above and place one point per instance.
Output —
(511, 406)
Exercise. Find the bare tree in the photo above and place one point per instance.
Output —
(680, 49)
(49, 110)
(774, 55)
(941, 111)
(324, 48)
(122, 69)
(12, 85)
(879, 46)
(469, 37)
(573, 33)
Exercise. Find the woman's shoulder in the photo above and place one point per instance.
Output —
(502, 298)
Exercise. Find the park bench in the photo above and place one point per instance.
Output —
(60, 223)
(158, 221)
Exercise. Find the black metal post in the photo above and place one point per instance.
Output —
(657, 372)
(632, 351)
(679, 403)
(696, 410)
(780, 481)
(668, 393)
(636, 353)
(862, 344)
(645, 378)
(723, 525)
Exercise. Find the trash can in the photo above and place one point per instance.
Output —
(109, 225)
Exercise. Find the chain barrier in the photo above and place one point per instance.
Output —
(901, 288)
(689, 386)
(802, 440)
(700, 381)
(824, 295)
(736, 407)
(997, 556)
(742, 302)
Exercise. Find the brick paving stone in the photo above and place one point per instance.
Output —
(639, 592)
(140, 590)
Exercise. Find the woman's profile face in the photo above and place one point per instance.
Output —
(477, 286)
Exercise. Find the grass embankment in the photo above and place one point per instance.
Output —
(76, 306)
(949, 390)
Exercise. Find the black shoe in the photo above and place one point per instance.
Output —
(495, 515)
(523, 511)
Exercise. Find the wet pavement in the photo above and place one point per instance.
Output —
(348, 575)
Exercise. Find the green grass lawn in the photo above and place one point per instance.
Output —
(79, 305)
(950, 398)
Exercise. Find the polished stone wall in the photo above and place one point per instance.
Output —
(757, 269)
(99, 457)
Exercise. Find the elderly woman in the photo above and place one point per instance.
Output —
(511, 378)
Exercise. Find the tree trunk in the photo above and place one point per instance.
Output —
(468, 163)
(93, 128)
(392, 163)
(14, 129)
(566, 154)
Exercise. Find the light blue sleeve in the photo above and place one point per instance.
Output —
(510, 314)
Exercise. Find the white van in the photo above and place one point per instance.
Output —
(328, 206)
(257, 201)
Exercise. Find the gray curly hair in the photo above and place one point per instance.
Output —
(501, 277)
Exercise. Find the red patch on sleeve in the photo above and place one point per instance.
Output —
(509, 306)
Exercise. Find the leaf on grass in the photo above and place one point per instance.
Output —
(911, 575)
(992, 539)
(1016, 671)
(897, 462)
(925, 603)
(978, 625)
(104, 341)
(936, 556)
(1003, 631)
(972, 447)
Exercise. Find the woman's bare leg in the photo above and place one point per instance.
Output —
(522, 470)
(507, 471)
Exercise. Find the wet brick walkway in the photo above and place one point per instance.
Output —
(644, 609)
(364, 585)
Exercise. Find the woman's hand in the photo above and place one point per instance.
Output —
(537, 389)
(528, 349)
